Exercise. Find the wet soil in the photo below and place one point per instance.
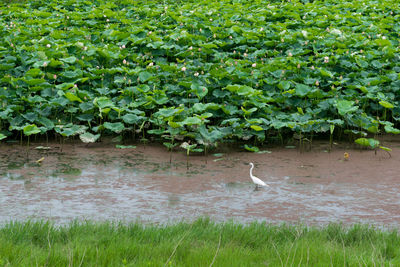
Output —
(102, 182)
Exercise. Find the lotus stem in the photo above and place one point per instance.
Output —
(187, 158)
(205, 153)
(301, 142)
(27, 147)
(62, 143)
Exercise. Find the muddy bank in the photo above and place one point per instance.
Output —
(101, 182)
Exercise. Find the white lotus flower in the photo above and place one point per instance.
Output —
(336, 31)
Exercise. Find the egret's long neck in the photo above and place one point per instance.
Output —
(251, 169)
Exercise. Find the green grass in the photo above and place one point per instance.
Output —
(200, 243)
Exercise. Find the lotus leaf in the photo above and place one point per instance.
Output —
(234, 70)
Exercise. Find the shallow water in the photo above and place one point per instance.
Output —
(101, 182)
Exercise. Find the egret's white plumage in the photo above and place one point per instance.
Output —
(256, 180)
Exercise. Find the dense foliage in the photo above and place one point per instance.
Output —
(199, 70)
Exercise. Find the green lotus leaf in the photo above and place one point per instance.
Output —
(240, 89)
(125, 147)
(191, 121)
(116, 127)
(302, 89)
(251, 148)
(103, 102)
(345, 106)
(72, 74)
(391, 129)
(131, 118)
(9, 59)
(355, 132)
(220, 94)
(86, 106)
(246, 90)
(373, 129)
(209, 45)
(167, 112)
(55, 63)
(256, 128)
(373, 143)
(64, 86)
(200, 107)
(156, 131)
(326, 73)
(383, 42)
(85, 117)
(49, 124)
(34, 72)
(69, 60)
(230, 109)
(144, 76)
(386, 104)
(6, 66)
(71, 97)
(248, 111)
(367, 142)
(70, 129)
(362, 63)
(376, 64)
(34, 82)
(362, 141)
(284, 85)
(197, 150)
(31, 129)
(88, 137)
(208, 137)
(169, 145)
(159, 98)
(205, 115)
(385, 148)
(186, 145)
(199, 90)
(175, 124)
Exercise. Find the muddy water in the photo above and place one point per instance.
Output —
(101, 182)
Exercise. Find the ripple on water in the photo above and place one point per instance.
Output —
(115, 185)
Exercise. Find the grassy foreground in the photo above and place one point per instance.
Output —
(201, 243)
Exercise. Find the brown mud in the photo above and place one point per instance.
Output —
(101, 182)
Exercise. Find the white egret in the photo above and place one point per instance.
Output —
(256, 180)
